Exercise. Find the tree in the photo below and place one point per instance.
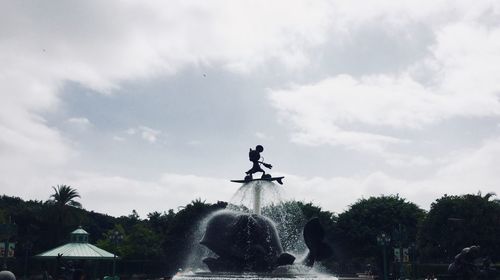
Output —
(329, 222)
(455, 222)
(290, 218)
(161, 222)
(115, 246)
(367, 218)
(139, 243)
(181, 241)
(63, 198)
(65, 195)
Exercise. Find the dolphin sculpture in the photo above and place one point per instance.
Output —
(250, 243)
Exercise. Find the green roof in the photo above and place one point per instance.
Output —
(79, 230)
(78, 248)
(77, 251)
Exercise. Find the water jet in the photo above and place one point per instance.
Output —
(244, 241)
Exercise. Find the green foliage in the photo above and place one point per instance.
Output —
(141, 242)
(290, 218)
(113, 246)
(289, 221)
(181, 233)
(329, 222)
(65, 195)
(367, 218)
(3, 216)
(63, 210)
(38, 223)
(455, 222)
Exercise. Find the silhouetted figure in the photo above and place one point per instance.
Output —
(59, 267)
(463, 266)
(254, 157)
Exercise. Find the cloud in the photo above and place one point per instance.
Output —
(474, 168)
(462, 79)
(80, 124)
(131, 131)
(195, 143)
(118, 138)
(322, 113)
(337, 193)
(118, 195)
(465, 171)
(79, 121)
(409, 161)
(42, 49)
(146, 133)
(149, 134)
(28, 149)
(262, 135)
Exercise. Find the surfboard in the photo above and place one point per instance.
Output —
(270, 179)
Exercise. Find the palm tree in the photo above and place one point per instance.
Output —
(65, 195)
(63, 198)
(489, 195)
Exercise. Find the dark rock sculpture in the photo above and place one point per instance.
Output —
(463, 267)
(250, 242)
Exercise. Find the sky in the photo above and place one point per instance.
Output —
(148, 105)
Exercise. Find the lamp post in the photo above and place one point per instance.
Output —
(413, 249)
(383, 240)
(400, 237)
(28, 245)
(116, 237)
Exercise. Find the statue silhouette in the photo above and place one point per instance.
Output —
(463, 266)
(254, 157)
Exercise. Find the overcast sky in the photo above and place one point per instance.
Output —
(148, 105)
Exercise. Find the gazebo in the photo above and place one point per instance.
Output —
(78, 248)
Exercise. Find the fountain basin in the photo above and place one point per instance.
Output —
(252, 276)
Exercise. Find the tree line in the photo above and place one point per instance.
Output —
(435, 236)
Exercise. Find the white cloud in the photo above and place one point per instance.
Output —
(261, 135)
(28, 149)
(474, 168)
(80, 124)
(42, 49)
(464, 69)
(146, 133)
(149, 134)
(118, 138)
(79, 121)
(194, 143)
(337, 193)
(466, 171)
(409, 161)
(321, 113)
(118, 195)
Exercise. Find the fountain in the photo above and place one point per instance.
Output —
(244, 242)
